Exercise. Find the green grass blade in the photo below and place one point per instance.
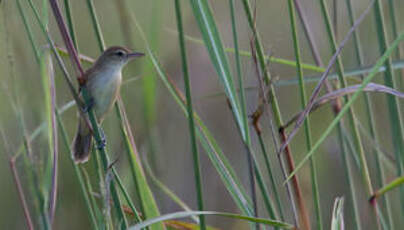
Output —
(272, 101)
(337, 221)
(191, 123)
(149, 205)
(77, 172)
(352, 123)
(70, 23)
(178, 215)
(395, 113)
(166, 190)
(245, 53)
(211, 37)
(250, 160)
(307, 126)
(48, 83)
(28, 30)
(370, 116)
(96, 25)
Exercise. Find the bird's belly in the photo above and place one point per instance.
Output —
(104, 92)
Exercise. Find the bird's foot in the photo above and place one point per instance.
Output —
(103, 141)
(89, 106)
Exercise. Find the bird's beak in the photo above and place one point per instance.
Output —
(135, 54)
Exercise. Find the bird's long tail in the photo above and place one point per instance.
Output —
(82, 143)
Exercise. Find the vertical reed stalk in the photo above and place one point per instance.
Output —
(304, 218)
(191, 123)
(307, 126)
(77, 172)
(395, 112)
(243, 104)
(355, 133)
(371, 119)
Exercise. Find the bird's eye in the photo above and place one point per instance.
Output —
(120, 53)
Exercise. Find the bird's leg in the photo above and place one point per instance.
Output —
(103, 141)
(89, 106)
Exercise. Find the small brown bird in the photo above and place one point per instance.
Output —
(103, 81)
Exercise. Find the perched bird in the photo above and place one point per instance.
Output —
(103, 81)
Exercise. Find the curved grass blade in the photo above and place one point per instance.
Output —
(349, 103)
(245, 53)
(177, 215)
(211, 37)
(48, 83)
(165, 189)
(148, 204)
(337, 221)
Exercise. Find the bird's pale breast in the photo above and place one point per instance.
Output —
(104, 88)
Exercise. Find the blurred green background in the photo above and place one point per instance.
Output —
(159, 126)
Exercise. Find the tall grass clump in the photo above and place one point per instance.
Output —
(213, 128)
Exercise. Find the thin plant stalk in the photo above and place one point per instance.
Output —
(127, 197)
(394, 26)
(70, 23)
(21, 194)
(371, 120)
(12, 159)
(50, 98)
(394, 22)
(166, 189)
(28, 163)
(336, 108)
(352, 122)
(28, 30)
(242, 102)
(395, 112)
(33, 177)
(243, 107)
(277, 115)
(148, 204)
(96, 24)
(349, 175)
(191, 123)
(307, 126)
(270, 174)
(77, 172)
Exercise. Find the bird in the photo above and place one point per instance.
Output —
(102, 81)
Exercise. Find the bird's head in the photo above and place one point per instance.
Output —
(117, 56)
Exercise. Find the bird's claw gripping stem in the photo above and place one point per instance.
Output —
(103, 141)
(89, 106)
